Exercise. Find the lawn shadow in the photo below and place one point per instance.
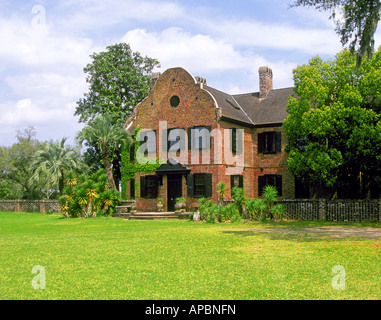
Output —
(310, 234)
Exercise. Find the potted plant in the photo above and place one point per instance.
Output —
(160, 204)
(180, 204)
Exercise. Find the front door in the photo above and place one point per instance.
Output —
(174, 190)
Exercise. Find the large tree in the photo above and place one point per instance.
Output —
(107, 138)
(334, 125)
(357, 25)
(118, 80)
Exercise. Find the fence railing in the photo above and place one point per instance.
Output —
(42, 206)
(295, 209)
(333, 210)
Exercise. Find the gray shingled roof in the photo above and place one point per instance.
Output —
(248, 108)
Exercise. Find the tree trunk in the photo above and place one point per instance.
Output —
(109, 171)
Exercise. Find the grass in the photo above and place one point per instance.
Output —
(110, 258)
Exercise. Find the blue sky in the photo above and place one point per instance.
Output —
(44, 46)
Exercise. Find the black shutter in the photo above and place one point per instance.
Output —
(232, 182)
(260, 142)
(182, 138)
(132, 151)
(261, 184)
(132, 188)
(190, 185)
(190, 138)
(241, 181)
(208, 185)
(155, 182)
(278, 180)
(278, 142)
(143, 189)
(233, 140)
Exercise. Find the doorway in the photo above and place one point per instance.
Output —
(174, 189)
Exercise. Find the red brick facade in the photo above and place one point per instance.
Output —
(198, 105)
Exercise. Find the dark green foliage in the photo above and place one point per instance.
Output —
(333, 128)
(118, 80)
(89, 196)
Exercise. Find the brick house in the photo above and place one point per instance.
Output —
(203, 136)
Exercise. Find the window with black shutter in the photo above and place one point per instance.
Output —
(236, 140)
(269, 142)
(149, 187)
(175, 139)
(199, 138)
(236, 181)
(270, 180)
(199, 185)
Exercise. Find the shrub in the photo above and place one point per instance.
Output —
(238, 195)
(221, 189)
(278, 211)
(88, 196)
(255, 208)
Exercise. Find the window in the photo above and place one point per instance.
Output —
(175, 139)
(199, 138)
(199, 185)
(149, 187)
(174, 101)
(269, 142)
(270, 180)
(236, 181)
(236, 140)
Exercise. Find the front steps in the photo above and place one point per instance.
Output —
(152, 215)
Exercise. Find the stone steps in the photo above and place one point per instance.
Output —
(152, 215)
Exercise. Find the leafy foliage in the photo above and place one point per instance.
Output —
(118, 80)
(88, 196)
(108, 138)
(333, 127)
(52, 162)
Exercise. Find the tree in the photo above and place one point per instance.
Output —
(333, 128)
(108, 138)
(118, 80)
(14, 167)
(52, 162)
(360, 20)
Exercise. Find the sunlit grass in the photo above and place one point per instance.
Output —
(111, 258)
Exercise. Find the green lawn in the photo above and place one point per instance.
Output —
(111, 258)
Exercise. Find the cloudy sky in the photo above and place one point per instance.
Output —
(44, 46)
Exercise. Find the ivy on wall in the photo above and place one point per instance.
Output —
(129, 168)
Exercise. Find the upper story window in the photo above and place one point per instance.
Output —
(236, 140)
(269, 142)
(199, 138)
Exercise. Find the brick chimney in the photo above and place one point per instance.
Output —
(265, 81)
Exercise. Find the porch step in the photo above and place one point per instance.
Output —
(152, 215)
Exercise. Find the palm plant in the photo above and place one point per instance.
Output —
(221, 189)
(270, 193)
(52, 162)
(108, 138)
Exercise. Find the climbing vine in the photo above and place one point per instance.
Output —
(129, 168)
